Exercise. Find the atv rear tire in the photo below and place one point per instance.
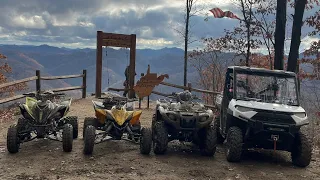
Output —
(89, 138)
(67, 138)
(160, 138)
(208, 144)
(220, 138)
(89, 121)
(302, 150)
(234, 144)
(73, 120)
(13, 142)
(145, 141)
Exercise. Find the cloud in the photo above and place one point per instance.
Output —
(74, 23)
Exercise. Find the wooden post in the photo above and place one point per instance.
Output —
(99, 64)
(84, 84)
(38, 84)
(148, 105)
(139, 103)
(132, 66)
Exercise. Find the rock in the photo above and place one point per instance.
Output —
(133, 168)
(52, 169)
(92, 173)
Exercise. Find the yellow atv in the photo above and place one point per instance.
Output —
(116, 119)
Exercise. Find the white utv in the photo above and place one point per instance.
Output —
(260, 108)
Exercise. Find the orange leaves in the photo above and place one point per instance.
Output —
(5, 69)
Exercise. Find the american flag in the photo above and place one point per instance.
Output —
(218, 13)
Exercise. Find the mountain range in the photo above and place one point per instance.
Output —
(54, 61)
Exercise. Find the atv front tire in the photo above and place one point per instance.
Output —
(145, 141)
(234, 144)
(89, 121)
(73, 120)
(208, 144)
(67, 138)
(13, 142)
(89, 138)
(302, 150)
(160, 138)
(220, 138)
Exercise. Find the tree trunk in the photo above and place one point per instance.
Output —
(186, 36)
(296, 35)
(280, 34)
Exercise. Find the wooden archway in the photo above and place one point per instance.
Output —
(115, 40)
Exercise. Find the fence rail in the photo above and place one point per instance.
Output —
(38, 79)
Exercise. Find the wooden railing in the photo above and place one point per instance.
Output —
(189, 87)
(38, 79)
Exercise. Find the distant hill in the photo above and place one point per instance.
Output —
(25, 59)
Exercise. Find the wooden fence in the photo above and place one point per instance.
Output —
(189, 87)
(38, 79)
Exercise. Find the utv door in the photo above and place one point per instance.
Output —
(227, 96)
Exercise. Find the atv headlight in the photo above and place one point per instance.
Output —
(204, 118)
(300, 114)
(243, 109)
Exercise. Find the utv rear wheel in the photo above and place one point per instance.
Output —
(145, 141)
(302, 150)
(160, 138)
(67, 138)
(208, 144)
(13, 142)
(73, 120)
(89, 138)
(220, 138)
(89, 121)
(234, 144)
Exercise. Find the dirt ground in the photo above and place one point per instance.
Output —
(44, 159)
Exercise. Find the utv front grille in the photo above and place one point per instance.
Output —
(188, 122)
(274, 117)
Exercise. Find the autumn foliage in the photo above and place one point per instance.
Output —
(8, 91)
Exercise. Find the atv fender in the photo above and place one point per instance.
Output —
(135, 118)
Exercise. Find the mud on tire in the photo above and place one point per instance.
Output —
(89, 121)
(220, 139)
(89, 138)
(160, 138)
(302, 150)
(67, 138)
(13, 142)
(208, 143)
(234, 144)
(73, 120)
(145, 141)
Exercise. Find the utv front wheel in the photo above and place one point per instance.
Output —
(160, 138)
(208, 143)
(88, 121)
(89, 138)
(302, 150)
(67, 138)
(13, 142)
(73, 120)
(234, 144)
(145, 141)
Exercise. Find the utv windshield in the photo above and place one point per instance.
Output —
(266, 88)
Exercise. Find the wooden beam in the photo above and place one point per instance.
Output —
(116, 89)
(116, 36)
(18, 81)
(61, 77)
(84, 84)
(132, 66)
(204, 91)
(5, 100)
(174, 85)
(116, 43)
(67, 88)
(99, 64)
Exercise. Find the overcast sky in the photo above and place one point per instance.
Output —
(74, 23)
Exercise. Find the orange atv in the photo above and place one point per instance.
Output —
(116, 119)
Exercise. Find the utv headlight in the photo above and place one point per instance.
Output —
(301, 114)
(243, 109)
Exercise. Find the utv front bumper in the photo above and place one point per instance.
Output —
(264, 135)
